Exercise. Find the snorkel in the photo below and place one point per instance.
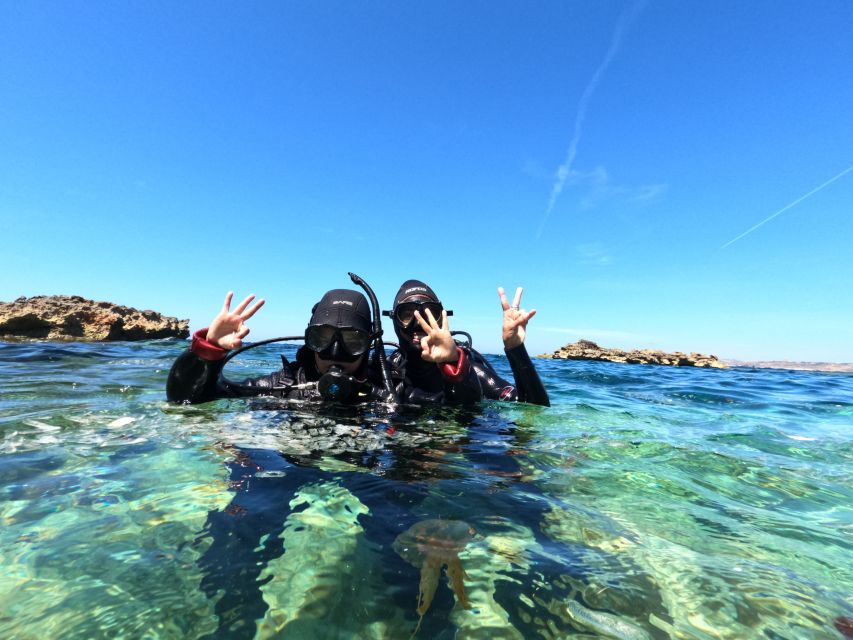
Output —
(379, 349)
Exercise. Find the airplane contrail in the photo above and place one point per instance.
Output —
(564, 170)
(788, 206)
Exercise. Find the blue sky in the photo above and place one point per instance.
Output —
(601, 154)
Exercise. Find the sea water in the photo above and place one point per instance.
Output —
(646, 502)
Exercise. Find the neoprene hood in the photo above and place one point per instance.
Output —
(409, 290)
(343, 308)
(412, 288)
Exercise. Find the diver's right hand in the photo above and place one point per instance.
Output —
(437, 345)
(227, 329)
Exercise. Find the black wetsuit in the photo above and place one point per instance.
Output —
(196, 376)
(419, 381)
(423, 380)
(528, 387)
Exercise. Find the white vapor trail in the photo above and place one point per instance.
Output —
(564, 170)
(788, 206)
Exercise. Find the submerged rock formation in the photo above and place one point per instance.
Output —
(588, 350)
(75, 318)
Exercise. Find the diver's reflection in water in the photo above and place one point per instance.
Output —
(310, 531)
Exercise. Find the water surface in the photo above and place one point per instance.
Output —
(647, 502)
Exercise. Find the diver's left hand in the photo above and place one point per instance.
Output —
(437, 345)
(515, 319)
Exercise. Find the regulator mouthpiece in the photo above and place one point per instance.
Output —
(337, 386)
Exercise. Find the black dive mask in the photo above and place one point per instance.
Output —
(404, 313)
(343, 344)
(405, 324)
(339, 386)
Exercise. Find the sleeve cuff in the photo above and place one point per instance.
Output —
(454, 372)
(204, 349)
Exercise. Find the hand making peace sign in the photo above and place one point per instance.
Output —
(515, 319)
(227, 329)
(437, 345)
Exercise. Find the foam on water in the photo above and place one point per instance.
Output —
(646, 502)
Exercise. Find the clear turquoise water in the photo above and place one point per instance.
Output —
(648, 502)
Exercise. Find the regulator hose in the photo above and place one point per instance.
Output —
(391, 394)
(258, 390)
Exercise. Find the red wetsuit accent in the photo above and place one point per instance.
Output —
(204, 349)
(454, 373)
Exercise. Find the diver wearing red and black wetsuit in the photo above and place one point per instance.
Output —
(416, 315)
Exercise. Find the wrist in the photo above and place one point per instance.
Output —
(452, 358)
(204, 348)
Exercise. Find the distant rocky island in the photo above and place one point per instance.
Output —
(76, 318)
(588, 350)
(832, 367)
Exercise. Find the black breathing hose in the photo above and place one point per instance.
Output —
(377, 337)
(245, 387)
(257, 344)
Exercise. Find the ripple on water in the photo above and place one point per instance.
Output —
(660, 501)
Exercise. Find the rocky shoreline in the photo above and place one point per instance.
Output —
(588, 350)
(76, 318)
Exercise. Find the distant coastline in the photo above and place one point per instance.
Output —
(830, 367)
(589, 350)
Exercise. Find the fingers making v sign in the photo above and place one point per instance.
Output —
(515, 319)
(437, 345)
(227, 329)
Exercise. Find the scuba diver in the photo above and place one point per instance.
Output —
(390, 480)
(333, 364)
(429, 365)
(424, 342)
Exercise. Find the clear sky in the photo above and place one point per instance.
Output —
(602, 154)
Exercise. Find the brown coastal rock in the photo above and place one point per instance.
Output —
(588, 350)
(76, 318)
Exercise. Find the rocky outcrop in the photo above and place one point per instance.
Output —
(588, 350)
(75, 318)
(829, 367)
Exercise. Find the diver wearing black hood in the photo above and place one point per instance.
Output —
(332, 364)
(429, 366)
(419, 377)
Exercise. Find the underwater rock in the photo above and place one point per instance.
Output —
(430, 545)
(588, 350)
(605, 624)
(76, 318)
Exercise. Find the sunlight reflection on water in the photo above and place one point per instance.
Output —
(646, 502)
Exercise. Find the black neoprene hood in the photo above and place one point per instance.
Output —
(411, 288)
(408, 290)
(343, 308)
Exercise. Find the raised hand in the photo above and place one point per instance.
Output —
(227, 329)
(437, 345)
(515, 319)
